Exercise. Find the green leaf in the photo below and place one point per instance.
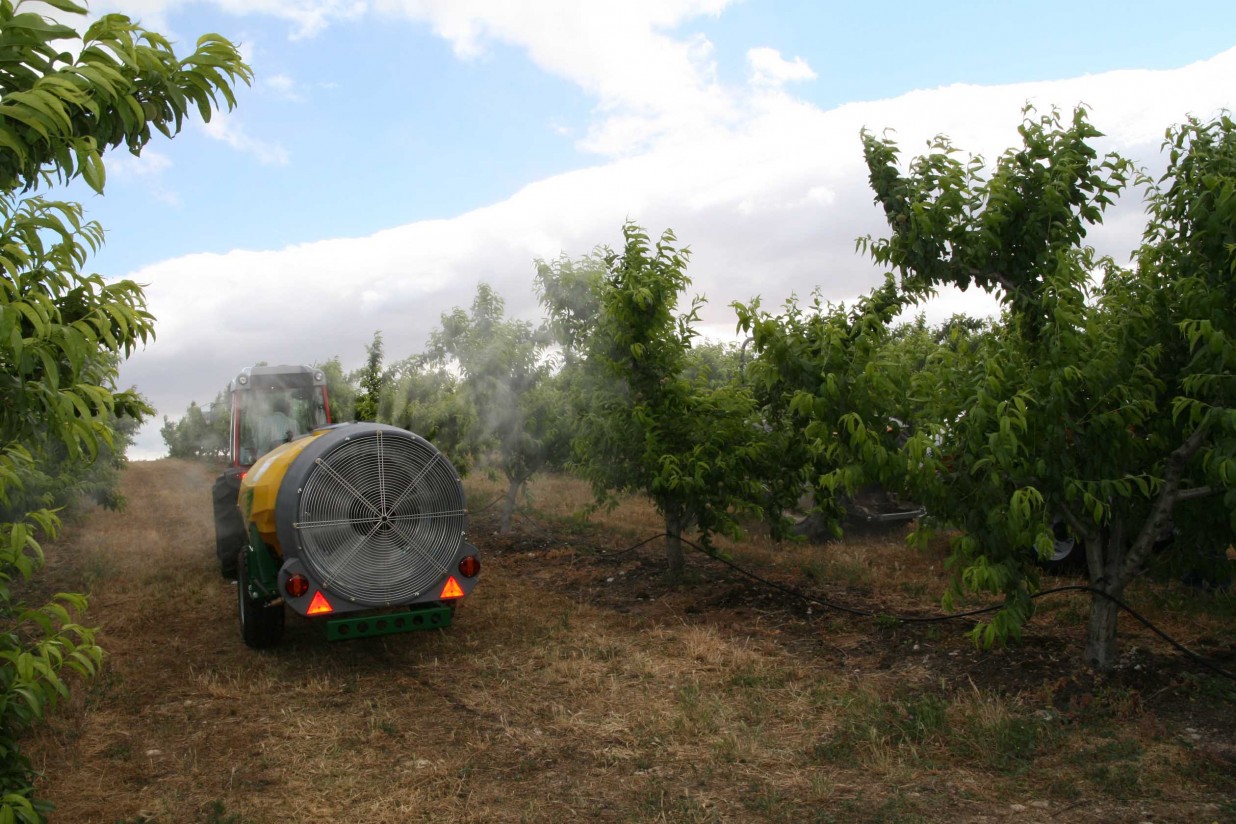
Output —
(66, 6)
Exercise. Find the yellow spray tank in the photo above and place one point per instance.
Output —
(362, 525)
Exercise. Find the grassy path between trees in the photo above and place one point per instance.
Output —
(579, 688)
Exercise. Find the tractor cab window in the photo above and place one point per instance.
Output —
(270, 417)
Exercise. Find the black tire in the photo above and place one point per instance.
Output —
(229, 526)
(1209, 570)
(1067, 553)
(261, 625)
(228, 552)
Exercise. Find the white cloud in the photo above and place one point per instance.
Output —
(152, 14)
(146, 171)
(769, 68)
(768, 190)
(225, 128)
(770, 206)
(151, 163)
(282, 85)
(648, 84)
(308, 17)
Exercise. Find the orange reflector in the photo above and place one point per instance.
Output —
(451, 589)
(319, 605)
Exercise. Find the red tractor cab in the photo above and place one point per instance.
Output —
(270, 405)
(273, 405)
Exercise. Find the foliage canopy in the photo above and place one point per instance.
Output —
(1103, 398)
(65, 98)
(506, 380)
(698, 451)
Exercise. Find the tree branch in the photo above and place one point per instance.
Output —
(1161, 512)
(1194, 493)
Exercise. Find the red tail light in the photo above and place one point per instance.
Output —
(296, 585)
(469, 566)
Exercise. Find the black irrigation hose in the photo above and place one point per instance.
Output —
(911, 619)
(546, 532)
(487, 506)
(1144, 622)
(929, 619)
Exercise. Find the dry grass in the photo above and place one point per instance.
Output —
(574, 687)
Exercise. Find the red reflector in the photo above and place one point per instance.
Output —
(319, 605)
(469, 566)
(296, 585)
(451, 589)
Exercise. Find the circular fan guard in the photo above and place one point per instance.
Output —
(380, 517)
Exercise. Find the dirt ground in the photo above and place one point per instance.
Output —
(579, 684)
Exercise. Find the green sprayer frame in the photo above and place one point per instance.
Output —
(434, 616)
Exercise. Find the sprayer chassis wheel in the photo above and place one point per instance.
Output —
(261, 625)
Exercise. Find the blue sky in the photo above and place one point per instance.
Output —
(393, 153)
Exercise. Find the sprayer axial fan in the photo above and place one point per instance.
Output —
(380, 517)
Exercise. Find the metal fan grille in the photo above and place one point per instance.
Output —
(380, 518)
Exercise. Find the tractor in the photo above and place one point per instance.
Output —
(361, 526)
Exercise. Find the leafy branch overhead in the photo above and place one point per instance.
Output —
(66, 97)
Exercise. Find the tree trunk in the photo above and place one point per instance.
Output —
(1113, 564)
(673, 545)
(508, 505)
(1101, 634)
(1106, 556)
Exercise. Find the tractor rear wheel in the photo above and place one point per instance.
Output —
(261, 625)
(228, 551)
(229, 528)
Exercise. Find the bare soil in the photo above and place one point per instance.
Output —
(578, 683)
